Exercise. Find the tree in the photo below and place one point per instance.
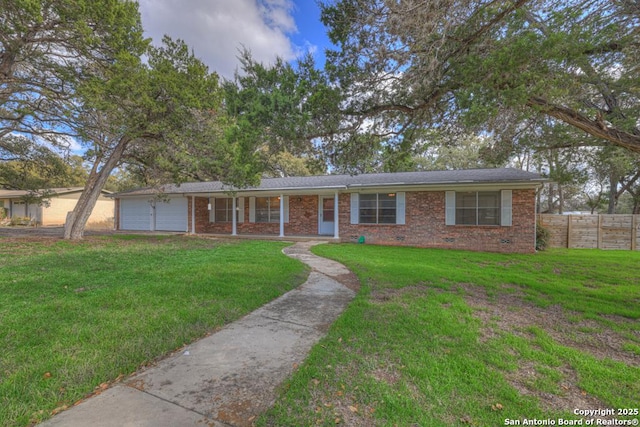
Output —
(464, 151)
(25, 165)
(165, 115)
(417, 64)
(285, 164)
(47, 48)
(282, 108)
(48, 172)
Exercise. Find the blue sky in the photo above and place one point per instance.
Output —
(217, 29)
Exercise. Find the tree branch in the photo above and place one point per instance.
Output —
(597, 127)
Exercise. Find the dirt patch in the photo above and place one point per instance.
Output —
(350, 280)
(389, 376)
(510, 312)
(569, 397)
(389, 294)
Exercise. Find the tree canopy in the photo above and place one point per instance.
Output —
(47, 48)
(83, 70)
(165, 115)
(414, 64)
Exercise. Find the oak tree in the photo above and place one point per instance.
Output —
(415, 64)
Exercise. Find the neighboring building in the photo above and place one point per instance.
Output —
(481, 209)
(55, 214)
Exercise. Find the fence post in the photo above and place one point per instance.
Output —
(568, 231)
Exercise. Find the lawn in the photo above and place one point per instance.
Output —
(445, 338)
(76, 316)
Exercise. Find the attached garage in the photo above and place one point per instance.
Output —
(171, 215)
(142, 214)
(135, 214)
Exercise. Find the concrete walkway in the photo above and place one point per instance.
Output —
(230, 377)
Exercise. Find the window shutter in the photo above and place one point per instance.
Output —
(450, 208)
(400, 208)
(252, 209)
(212, 212)
(240, 206)
(286, 208)
(505, 214)
(355, 208)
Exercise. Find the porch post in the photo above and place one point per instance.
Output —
(336, 226)
(234, 217)
(281, 215)
(193, 214)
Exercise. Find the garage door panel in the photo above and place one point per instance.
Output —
(171, 215)
(135, 214)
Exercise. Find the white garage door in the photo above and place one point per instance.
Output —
(135, 214)
(171, 215)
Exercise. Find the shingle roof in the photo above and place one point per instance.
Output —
(61, 190)
(319, 182)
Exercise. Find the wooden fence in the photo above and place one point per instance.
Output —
(593, 231)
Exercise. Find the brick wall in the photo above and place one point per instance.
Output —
(425, 224)
(303, 219)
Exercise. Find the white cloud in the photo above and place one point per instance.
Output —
(217, 29)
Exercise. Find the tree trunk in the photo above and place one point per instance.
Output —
(560, 200)
(635, 195)
(552, 195)
(91, 193)
(613, 189)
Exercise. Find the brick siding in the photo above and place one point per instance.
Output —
(425, 224)
(303, 219)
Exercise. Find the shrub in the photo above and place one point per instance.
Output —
(542, 237)
(21, 220)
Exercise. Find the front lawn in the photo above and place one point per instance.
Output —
(445, 338)
(76, 316)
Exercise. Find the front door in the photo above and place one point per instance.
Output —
(326, 215)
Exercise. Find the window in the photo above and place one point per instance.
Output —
(477, 208)
(267, 209)
(377, 208)
(223, 210)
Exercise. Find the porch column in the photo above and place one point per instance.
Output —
(336, 226)
(282, 215)
(193, 214)
(234, 219)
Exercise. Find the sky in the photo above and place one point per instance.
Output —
(217, 29)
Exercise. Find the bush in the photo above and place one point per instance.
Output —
(21, 220)
(542, 237)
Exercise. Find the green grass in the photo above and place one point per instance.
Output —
(77, 315)
(411, 351)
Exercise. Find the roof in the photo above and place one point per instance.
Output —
(344, 182)
(12, 194)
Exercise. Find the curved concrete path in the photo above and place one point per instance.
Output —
(230, 377)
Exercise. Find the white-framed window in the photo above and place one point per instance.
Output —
(478, 207)
(267, 209)
(223, 210)
(378, 208)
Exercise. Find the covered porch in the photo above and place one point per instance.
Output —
(280, 215)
